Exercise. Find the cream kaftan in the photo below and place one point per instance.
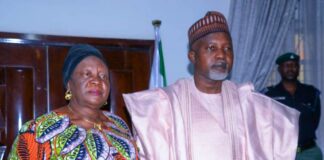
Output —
(181, 123)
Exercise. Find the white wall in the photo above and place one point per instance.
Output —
(113, 19)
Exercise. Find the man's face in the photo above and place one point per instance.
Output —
(289, 70)
(212, 56)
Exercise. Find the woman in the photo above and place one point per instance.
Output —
(79, 130)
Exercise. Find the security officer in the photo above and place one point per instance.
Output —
(304, 98)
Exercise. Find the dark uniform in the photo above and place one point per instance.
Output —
(306, 100)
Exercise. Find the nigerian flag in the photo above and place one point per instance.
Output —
(158, 77)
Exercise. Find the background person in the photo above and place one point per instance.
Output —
(79, 130)
(302, 97)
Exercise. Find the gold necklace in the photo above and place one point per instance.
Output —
(95, 125)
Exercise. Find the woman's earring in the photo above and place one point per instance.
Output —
(68, 95)
(105, 103)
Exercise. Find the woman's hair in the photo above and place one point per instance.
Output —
(75, 55)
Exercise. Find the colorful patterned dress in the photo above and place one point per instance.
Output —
(53, 136)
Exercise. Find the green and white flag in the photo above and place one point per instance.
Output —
(158, 77)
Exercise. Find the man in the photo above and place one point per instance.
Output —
(304, 98)
(208, 117)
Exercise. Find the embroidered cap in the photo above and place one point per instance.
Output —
(287, 57)
(212, 22)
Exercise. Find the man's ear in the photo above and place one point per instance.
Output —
(192, 56)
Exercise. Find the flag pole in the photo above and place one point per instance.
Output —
(157, 78)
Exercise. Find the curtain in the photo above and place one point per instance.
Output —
(318, 67)
(262, 30)
(258, 29)
(305, 37)
(311, 25)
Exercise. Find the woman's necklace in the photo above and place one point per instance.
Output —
(95, 125)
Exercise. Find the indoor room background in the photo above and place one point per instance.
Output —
(254, 46)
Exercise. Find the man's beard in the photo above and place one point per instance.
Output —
(216, 75)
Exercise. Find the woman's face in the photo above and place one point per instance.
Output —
(89, 82)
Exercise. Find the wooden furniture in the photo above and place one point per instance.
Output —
(31, 75)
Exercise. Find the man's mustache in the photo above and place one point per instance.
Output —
(220, 64)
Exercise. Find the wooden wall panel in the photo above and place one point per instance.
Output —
(56, 56)
(2, 120)
(139, 61)
(2, 105)
(29, 56)
(121, 80)
(20, 100)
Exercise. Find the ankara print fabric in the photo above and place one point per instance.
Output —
(53, 136)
